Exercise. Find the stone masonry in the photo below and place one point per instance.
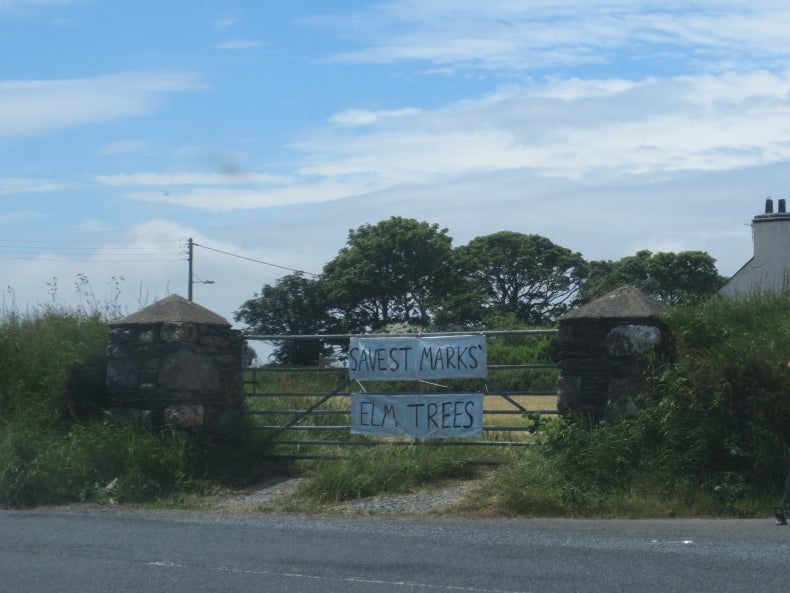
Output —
(176, 366)
(603, 347)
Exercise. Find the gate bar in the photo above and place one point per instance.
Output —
(503, 332)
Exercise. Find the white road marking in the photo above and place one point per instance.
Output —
(295, 575)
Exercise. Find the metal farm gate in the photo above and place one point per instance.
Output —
(305, 412)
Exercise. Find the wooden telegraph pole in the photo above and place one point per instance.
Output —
(190, 251)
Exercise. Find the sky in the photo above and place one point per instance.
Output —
(265, 130)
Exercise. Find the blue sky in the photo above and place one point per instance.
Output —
(268, 129)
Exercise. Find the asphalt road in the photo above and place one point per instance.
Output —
(115, 551)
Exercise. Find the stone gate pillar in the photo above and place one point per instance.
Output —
(602, 347)
(176, 366)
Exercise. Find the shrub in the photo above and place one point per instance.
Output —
(711, 435)
(94, 461)
(57, 446)
(48, 360)
(721, 405)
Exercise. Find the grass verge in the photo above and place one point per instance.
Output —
(376, 470)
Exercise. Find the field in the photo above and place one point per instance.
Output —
(530, 402)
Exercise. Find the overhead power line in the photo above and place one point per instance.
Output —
(191, 257)
(72, 242)
(78, 251)
(90, 260)
(257, 261)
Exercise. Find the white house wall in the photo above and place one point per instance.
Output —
(769, 268)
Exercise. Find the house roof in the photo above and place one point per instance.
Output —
(173, 309)
(623, 302)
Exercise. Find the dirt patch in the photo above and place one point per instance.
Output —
(279, 494)
(263, 496)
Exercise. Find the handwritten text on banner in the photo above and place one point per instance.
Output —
(401, 358)
(435, 415)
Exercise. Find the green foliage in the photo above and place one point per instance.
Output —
(724, 398)
(598, 456)
(536, 485)
(394, 271)
(51, 363)
(294, 305)
(396, 469)
(710, 437)
(526, 275)
(94, 461)
(518, 350)
(56, 445)
(682, 278)
(405, 271)
(106, 462)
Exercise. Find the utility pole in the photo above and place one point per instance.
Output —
(191, 256)
(190, 249)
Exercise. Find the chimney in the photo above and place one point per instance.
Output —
(771, 237)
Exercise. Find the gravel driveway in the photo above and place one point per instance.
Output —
(270, 494)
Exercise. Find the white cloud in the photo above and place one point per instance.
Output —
(34, 107)
(513, 36)
(18, 216)
(570, 128)
(598, 159)
(226, 22)
(415, 156)
(229, 199)
(241, 44)
(234, 279)
(121, 147)
(93, 226)
(179, 178)
(17, 4)
(364, 117)
(24, 185)
(141, 264)
(221, 192)
(158, 231)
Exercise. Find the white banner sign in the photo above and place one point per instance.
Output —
(433, 415)
(403, 358)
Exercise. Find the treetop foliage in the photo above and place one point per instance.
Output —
(405, 271)
(673, 278)
(294, 305)
(394, 271)
(527, 275)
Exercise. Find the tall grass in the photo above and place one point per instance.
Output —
(57, 444)
(710, 437)
(43, 356)
(724, 401)
(91, 461)
(396, 469)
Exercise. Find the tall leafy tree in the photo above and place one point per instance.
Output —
(293, 305)
(524, 275)
(673, 278)
(393, 271)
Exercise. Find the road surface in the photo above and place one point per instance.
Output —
(115, 551)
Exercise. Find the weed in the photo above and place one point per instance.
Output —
(709, 438)
(371, 471)
(56, 444)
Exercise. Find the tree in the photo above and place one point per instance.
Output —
(526, 275)
(294, 305)
(673, 278)
(394, 271)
